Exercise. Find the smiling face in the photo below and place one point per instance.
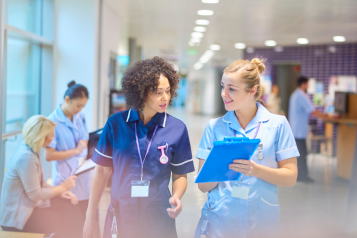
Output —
(234, 93)
(159, 100)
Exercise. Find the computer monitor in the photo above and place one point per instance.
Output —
(341, 99)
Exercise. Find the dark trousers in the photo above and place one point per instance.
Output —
(62, 218)
(301, 161)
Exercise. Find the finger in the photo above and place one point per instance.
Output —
(74, 177)
(242, 161)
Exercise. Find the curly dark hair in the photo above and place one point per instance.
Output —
(143, 77)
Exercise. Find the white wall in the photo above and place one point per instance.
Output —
(110, 38)
(75, 51)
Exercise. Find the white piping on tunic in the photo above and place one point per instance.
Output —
(103, 154)
(274, 205)
(57, 117)
(286, 150)
(164, 120)
(127, 119)
(182, 163)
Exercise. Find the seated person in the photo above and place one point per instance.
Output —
(28, 203)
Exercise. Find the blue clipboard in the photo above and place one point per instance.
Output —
(216, 167)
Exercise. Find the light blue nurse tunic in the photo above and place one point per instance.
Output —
(259, 214)
(67, 136)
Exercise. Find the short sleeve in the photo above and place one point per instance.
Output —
(182, 162)
(285, 142)
(206, 143)
(54, 141)
(103, 154)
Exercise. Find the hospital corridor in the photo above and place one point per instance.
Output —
(178, 119)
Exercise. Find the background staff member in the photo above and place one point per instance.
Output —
(68, 149)
(142, 146)
(28, 203)
(248, 207)
(300, 109)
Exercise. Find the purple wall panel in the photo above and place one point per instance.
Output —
(317, 61)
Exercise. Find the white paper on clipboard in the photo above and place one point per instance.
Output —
(87, 165)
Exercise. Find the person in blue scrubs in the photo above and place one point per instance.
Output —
(68, 149)
(143, 147)
(300, 109)
(248, 207)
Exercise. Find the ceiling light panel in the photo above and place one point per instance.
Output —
(270, 43)
(199, 28)
(202, 22)
(205, 12)
(302, 41)
(239, 46)
(339, 39)
(215, 47)
(197, 35)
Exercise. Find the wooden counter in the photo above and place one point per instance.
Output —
(346, 138)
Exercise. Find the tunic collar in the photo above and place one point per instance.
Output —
(262, 115)
(63, 119)
(159, 118)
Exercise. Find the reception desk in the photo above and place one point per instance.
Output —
(346, 138)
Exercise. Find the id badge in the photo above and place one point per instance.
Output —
(140, 188)
(240, 192)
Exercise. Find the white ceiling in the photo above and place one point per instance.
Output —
(166, 25)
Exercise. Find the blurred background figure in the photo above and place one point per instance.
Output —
(28, 203)
(274, 101)
(301, 108)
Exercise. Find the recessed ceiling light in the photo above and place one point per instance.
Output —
(202, 22)
(339, 38)
(250, 50)
(210, 1)
(197, 66)
(199, 28)
(197, 35)
(270, 43)
(239, 46)
(205, 12)
(302, 41)
(215, 47)
(195, 40)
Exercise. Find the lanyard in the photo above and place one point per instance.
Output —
(147, 151)
(256, 131)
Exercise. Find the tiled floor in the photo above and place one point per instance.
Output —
(307, 210)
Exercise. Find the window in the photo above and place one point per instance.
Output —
(27, 60)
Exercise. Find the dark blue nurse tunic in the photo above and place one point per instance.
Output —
(142, 216)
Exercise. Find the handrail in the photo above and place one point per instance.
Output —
(11, 134)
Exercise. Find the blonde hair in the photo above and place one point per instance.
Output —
(35, 131)
(249, 72)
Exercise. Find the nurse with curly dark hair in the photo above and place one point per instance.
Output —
(143, 147)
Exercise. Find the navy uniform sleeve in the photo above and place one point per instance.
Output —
(103, 154)
(182, 162)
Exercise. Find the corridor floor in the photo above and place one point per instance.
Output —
(313, 210)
